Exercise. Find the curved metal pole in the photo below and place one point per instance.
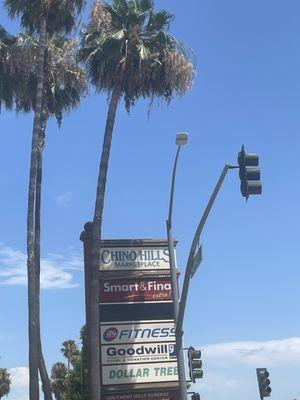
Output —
(172, 187)
(174, 284)
(195, 243)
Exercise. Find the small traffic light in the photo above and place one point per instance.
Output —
(195, 396)
(263, 382)
(249, 173)
(195, 364)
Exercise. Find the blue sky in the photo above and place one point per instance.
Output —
(244, 302)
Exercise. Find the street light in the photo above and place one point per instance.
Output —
(181, 140)
(195, 255)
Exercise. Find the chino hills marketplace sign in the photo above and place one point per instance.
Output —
(134, 258)
(138, 353)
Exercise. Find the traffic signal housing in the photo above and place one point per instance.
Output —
(195, 396)
(263, 382)
(195, 364)
(249, 173)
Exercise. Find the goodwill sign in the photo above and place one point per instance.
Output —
(138, 353)
(128, 259)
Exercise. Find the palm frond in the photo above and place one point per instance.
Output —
(157, 65)
(60, 15)
(159, 21)
(64, 80)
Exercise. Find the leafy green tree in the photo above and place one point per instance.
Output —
(63, 85)
(128, 54)
(71, 384)
(77, 389)
(6, 85)
(4, 382)
(59, 380)
(70, 351)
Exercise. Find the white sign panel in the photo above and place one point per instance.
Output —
(130, 259)
(138, 333)
(138, 353)
(139, 373)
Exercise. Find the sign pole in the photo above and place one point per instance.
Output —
(87, 238)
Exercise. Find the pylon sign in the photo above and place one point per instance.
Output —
(137, 335)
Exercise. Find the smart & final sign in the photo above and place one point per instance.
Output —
(138, 333)
(128, 259)
(138, 353)
(135, 290)
(139, 373)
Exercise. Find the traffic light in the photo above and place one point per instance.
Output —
(195, 364)
(249, 173)
(195, 396)
(263, 382)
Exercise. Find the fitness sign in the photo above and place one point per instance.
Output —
(135, 290)
(138, 333)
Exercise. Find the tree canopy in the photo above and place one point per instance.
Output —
(4, 382)
(60, 15)
(72, 384)
(126, 43)
(64, 80)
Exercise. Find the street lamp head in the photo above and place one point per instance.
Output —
(181, 138)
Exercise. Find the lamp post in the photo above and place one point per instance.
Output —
(181, 140)
(249, 173)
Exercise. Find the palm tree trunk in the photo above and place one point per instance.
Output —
(39, 175)
(31, 267)
(93, 326)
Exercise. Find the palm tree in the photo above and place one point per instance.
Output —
(128, 53)
(6, 87)
(45, 17)
(4, 382)
(72, 385)
(64, 83)
(70, 350)
(59, 380)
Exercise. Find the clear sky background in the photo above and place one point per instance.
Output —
(244, 303)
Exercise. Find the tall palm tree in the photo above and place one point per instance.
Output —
(59, 380)
(4, 382)
(70, 350)
(64, 83)
(44, 17)
(129, 54)
(6, 87)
